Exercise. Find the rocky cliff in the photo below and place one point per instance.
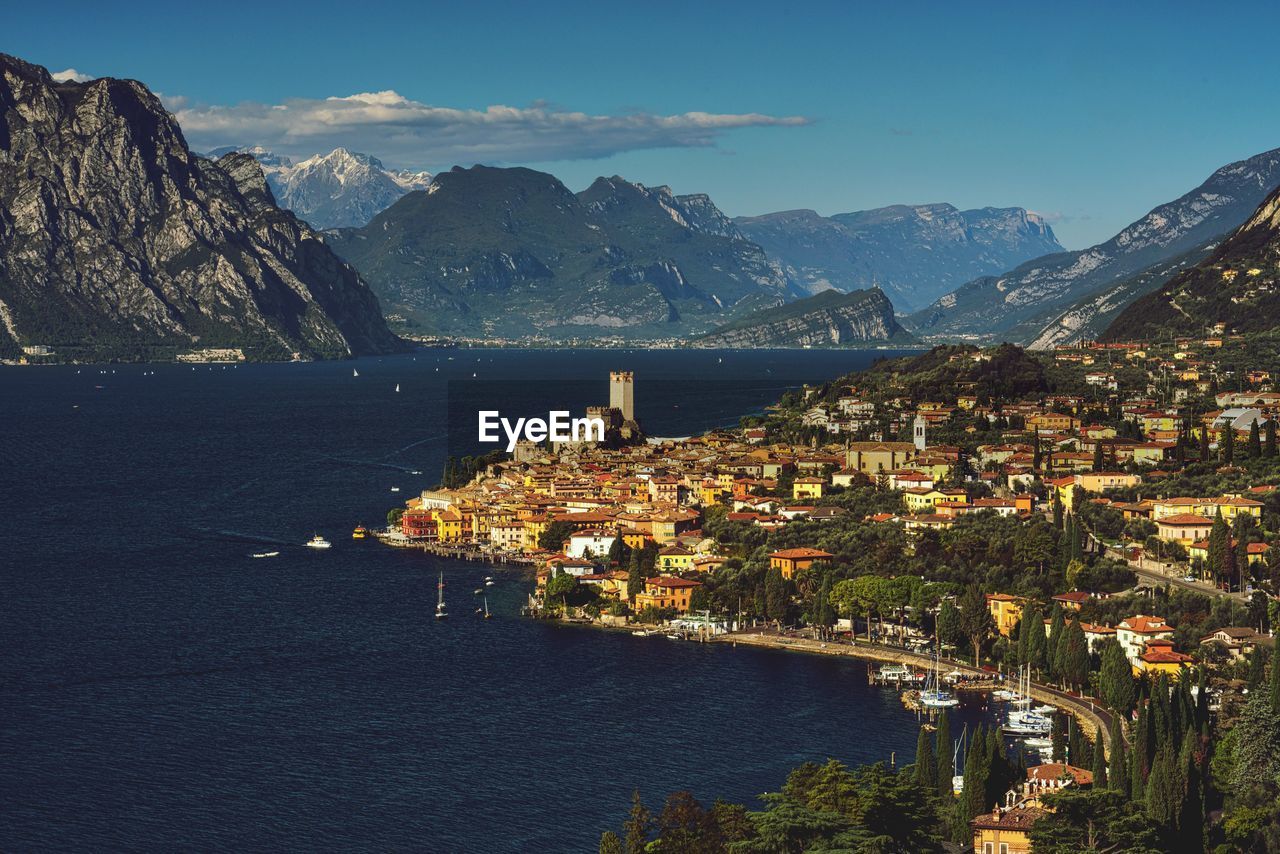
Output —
(1057, 299)
(1237, 286)
(828, 319)
(117, 242)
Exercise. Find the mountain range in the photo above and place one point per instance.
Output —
(116, 240)
(1059, 299)
(1237, 286)
(914, 253)
(827, 319)
(334, 190)
(507, 252)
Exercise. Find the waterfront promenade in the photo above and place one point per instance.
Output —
(1088, 713)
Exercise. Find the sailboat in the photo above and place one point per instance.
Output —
(354, 372)
(397, 388)
(487, 615)
(1022, 720)
(441, 613)
(934, 697)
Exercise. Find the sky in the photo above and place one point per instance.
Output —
(1089, 114)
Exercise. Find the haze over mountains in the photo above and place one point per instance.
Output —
(914, 253)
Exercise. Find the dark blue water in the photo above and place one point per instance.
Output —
(160, 689)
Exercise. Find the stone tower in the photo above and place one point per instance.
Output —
(621, 393)
(918, 433)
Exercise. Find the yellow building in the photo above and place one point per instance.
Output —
(675, 559)
(1100, 481)
(873, 457)
(666, 592)
(448, 525)
(1006, 831)
(791, 561)
(923, 500)
(1005, 610)
(1185, 528)
(1159, 657)
(807, 487)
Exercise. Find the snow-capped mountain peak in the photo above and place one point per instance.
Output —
(335, 190)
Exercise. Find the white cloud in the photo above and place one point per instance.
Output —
(410, 133)
(71, 74)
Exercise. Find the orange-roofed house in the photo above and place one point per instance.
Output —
(1160, 657)
(1136, 632)
(666, 592)
(791, 561)
(1184, 528)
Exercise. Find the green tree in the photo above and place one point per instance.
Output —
(1098, 821)
(943, 753)
(1228, 444)
(636, 828)
(949, 630)
(1118, 773)
(553, 536)
(975, 620)
(1116, 678)
(1254, 448)
(1269, 443)
(610, 843)
(1099, 762)
(635, 576)
(684, 827)
(926, 771)
(394, 516)
(561, 587)
(777, 600)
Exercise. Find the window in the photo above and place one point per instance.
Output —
(1004, 848)
(987, 848)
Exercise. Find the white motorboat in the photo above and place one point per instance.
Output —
(318, 542)
(266, 554)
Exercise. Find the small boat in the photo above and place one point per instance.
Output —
(487, 615)
(478, 590)
(318, 542)
(441, 612)
(641, 633)
(395, 489)
(674, 637)
(488, 581)
(354, 372)
(266, 554)
(360, 532)
(397, 388)
(935, 696)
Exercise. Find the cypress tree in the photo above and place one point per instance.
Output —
(1164, 788)
(1119, 771)
(1269, 446)
(1037, 644)
(1191, 814)
(1099, 762)
(1058, 738)
(1075, 744)
(1257, 669)
(824, 614)
(944, 751)
(1098, 461)
(1116, 679)
(1274, 686)
(1228, 445)
(1056, 633)
(1254, 448)
(926, 763)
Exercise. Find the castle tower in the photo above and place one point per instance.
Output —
(621, 394)
(919, 432)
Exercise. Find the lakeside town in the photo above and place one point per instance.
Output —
(1101, 518)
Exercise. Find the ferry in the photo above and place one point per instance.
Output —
(360, 532)
(898, 674)
(318, 542)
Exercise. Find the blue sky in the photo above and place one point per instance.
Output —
(1088, 113)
